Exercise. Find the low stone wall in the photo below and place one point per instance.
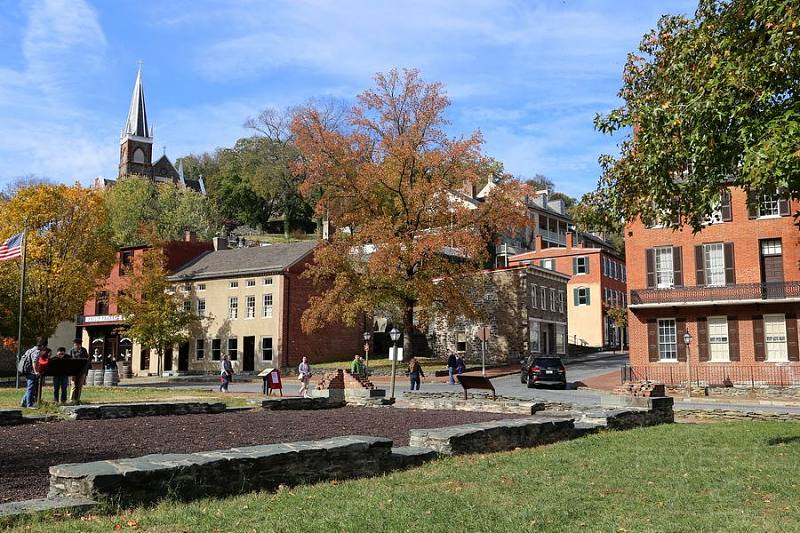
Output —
(729, 414)
(477, 402)
(128, 410)
(301, 404)
(494, 436)
(222, 472)
(11, 417)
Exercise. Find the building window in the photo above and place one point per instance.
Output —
(582, 296)
(101, 303)
(552, 299)
(187, 306)
(623, 272)
(664, 272)
(775, 338)
(233, 348)
(268, 281)
(718, 338)
(769, 206)
(267, 306)
(772, 247)
(549, 264)
(667, 339)
(201, 287)
(233, 307)
(461, 341)
(266, 348)
(534, 327)
(543, 298)
(233, 285)
(187, 287)
(561, 339)
(714, 255)
(125, 262)
(216, 349)
(581, 265)
(251, 283)
(201, 307)
(250, 302)
(200, 348)
(561, 297)
(533, 297)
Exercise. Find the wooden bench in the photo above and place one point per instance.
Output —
(476, 382)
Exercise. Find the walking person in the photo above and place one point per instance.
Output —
(60, 382)
(28, 365)
(78, 352)
(415, 373)
(451, 368)
(461, 365)
(225, 373)
(304, 375)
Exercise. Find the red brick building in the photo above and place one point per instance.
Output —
(596, 284)
(100, 322)
(734, 286)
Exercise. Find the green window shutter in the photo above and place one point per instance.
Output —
(586, 263)
(588, 296)
(575, 296)
(574, 265)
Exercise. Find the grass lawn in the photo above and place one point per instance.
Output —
(740, 476)
(382, 362)
(10, 397)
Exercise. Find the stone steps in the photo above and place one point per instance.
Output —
(72, 505)
(408, 456)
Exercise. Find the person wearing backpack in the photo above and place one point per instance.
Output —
(29, 366)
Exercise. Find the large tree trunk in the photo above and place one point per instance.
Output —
(408, 330)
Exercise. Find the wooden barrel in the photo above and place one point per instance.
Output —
(111, 378)
(90, 377)
(126, 371)
(98, 378)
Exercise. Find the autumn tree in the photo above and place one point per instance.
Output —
(68, 249)
(707, 101)
(390, 180)
(152, 309)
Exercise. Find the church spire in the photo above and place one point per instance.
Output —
(136, 124)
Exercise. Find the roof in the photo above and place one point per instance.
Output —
(136, 125)
(244, 261)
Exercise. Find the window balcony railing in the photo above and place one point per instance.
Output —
(552, 236)
(739, 292)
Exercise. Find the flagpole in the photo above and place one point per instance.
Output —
(21, 297)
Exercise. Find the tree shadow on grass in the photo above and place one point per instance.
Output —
(779, 441)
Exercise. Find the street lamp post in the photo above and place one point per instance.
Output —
(687, 339)
(395, 336)
(367, 336)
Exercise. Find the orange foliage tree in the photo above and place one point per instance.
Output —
(391, 182)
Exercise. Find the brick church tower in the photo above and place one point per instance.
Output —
(136, 139)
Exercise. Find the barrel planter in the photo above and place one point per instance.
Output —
(99, 375)
(90, 377)
(126, 371)
(111, 378)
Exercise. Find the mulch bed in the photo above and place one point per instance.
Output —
(27, 452)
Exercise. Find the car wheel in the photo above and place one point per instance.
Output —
(531, 384)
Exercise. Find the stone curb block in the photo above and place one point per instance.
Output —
(301, 404)
(73, 505)
(129, 410)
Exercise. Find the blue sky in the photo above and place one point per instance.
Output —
(530, 75)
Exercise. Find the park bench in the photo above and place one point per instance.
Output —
(476, 382)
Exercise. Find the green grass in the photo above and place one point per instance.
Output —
(10, 397)
(719, 477)
(381, 362)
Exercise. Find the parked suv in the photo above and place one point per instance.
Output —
(543, 370)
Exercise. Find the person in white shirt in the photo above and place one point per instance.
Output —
(304, 375)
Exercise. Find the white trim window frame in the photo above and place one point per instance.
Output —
(201, 307)
(233, 307)
(718, 347)
(250, 283)
(268, 280)
(533, 297)
(775, 339)
(233, 348)
(667, 340)
(250, 306)
(233, 284)
(543, 298)
(769, 206)
(267, 309)
(714, 263)
(581, 265)
(583, 296)
(267, 349)
(216, 349)
(665, 274)
(199, 349)
(552, 300)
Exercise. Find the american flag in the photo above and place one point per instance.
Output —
(12, 248)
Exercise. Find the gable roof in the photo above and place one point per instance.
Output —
(244, 261)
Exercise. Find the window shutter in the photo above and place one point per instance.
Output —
(702, 339)
(586, 264)
(725, 206)
(699, 265)
(758, 338)
(783, 207)
(677, 266)
(588, 296)
(574, 265)
(733, 338)
(575, 298)
(730, 268)
(791, 337)
(752, 206)
(652, 341)
(680, 329)
(650, 262)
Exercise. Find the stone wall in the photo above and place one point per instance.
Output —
(11, 417)
(128, 410)
(730, 414)
(291, 403)
(150, 478)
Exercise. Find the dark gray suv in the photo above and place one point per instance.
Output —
(543, 370)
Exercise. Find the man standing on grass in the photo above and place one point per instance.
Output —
(29, 366)
(77, 352)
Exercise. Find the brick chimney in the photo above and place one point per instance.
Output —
(538, 242)
(190, 236)
(220, 243)
(570, 240)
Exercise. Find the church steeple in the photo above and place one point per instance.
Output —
(136, 139)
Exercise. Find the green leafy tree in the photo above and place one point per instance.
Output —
(153, 311)
(707, 101)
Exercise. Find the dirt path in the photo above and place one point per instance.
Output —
(27, 452)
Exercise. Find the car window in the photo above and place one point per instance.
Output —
(547, 361)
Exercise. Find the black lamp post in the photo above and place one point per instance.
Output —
(687, 339)
(395, 336)
(367, 337)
